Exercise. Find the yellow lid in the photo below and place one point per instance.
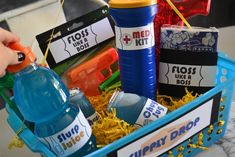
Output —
(131, 3)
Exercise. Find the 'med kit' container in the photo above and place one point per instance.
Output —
(136, 46)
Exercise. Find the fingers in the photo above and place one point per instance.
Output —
(9, 57)
(12, 57)
(2, 72)
(17, 58)
(7, 37)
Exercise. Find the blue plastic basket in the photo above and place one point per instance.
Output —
(210, 109)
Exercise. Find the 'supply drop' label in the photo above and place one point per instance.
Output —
(150, 112)
(71, 139)
(135, 38)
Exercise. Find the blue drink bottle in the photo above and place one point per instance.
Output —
(136, 110)
(42, 98)
(136, 46)
(78, 99)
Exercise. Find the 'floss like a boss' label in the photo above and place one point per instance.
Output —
(187, 75)
(135, 38)
(71, 139)
(81, 40)
(150, 112)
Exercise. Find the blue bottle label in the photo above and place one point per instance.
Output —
(71, 139)
(91, 119)
(135, 38)
(150, 112)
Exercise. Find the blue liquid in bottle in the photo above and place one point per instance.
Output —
(78, 99)
(136, 110)
(42, 98)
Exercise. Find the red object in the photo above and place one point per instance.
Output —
(89, 75)
(166, 15)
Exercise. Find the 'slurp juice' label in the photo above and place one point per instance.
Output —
(150, 112)
(71, 139)
(135, 38)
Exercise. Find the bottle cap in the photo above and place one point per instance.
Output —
(131, 3)
(29, 57)
(117, 95)
(74, 91)
(114, 96)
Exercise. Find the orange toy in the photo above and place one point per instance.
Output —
(89, 75)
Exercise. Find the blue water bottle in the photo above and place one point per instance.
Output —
(136, 110)
(136, 45)
(43, 99)
(78, 99)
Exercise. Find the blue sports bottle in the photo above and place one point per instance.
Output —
(134, 32)
(43, 99)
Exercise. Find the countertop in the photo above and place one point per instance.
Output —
(225, 147)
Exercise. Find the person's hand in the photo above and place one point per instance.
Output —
(7, 55)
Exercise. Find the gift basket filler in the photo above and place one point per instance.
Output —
(160, 89)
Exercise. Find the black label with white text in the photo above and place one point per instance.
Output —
(194, 70)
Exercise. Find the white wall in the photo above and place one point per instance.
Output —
(227, 40)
